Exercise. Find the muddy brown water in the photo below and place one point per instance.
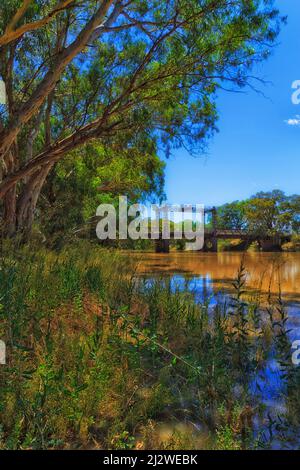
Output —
(265, 271)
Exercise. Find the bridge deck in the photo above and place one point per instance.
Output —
(225, 235)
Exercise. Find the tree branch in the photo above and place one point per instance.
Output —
(45, 87)
(12, 34)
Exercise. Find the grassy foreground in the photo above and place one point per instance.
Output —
(98, 358)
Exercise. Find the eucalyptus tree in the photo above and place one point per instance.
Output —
(272, 212)
(231, 216)
(112, 71)
(265, 213)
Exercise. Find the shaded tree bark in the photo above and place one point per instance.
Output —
(27, 201)
(9, 213)
(9, 203)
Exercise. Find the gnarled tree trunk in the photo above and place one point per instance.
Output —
(9, 218)
(27, 201)
(9, 202)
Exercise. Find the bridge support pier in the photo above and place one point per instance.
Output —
(270, 244)
(210, 245)
(162, 246)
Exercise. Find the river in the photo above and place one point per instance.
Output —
(211, 275)
(268, 271)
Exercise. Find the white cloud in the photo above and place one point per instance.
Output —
(293, 121)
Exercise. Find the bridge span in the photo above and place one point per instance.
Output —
(211, 237)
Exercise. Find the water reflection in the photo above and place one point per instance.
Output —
(266, 271)
(210, 275)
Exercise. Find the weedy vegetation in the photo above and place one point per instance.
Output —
(101, 358)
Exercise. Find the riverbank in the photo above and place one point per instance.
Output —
(293, 246)
(98, 357)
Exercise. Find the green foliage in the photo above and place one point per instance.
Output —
(265, 213)
(96, 175)
(232, 216)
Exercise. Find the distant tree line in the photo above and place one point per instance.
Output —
(270, 213)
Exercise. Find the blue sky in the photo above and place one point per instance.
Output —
(255, 148)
